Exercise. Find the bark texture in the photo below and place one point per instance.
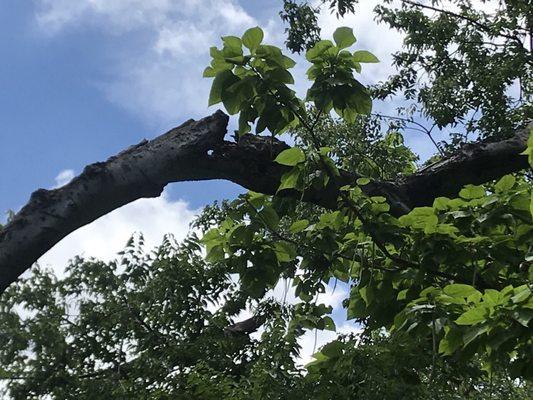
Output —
(197, 150)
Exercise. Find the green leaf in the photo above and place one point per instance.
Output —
(451, 341)
(402, 294)
(367, 294)
(420, 218)
(215, 253)
(280, 75)
(521, 294)
(472, 192)
(333, 349)
(344, 37)
(215, 53)
(472, 316)
(492, 297)
(531, 205)
(460, 290)
(474, 333)
(241, 235)
(252, 38)
(212, 235)
(290, 180)
(359, 100)
(232, 46)
(505, 183)
(329, 324)
(318, 49)
(221, 82)
(299, 226)
(363, 56)
(523, 316)
(529, 149)
(285, 251)
(363, 181)
(441, 203)
(288, 62)
(257, 199)
(271, 54)
(209, 72)
(270, 217)
(290, 157)
(234, 93)
(356, 308)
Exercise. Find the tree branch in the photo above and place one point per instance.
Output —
(489, 30)
(197, 150)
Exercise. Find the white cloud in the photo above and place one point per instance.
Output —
(122, 16)
(177, 39)
(105, 237)
(63, 178)
(118, 16)
(159, 74)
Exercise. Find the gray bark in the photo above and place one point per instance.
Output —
(197, 150)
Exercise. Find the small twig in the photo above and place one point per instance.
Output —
(463, 17)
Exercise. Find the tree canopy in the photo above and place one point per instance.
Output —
(437, 260)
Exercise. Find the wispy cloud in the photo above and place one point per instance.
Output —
(64, 177)
(160, 75)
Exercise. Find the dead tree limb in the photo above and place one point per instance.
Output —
(197, 150)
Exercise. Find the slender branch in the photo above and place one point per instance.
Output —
(422, 129)
(463, 17)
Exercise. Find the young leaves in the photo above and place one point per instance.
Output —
(290, 157)
(332, 73)
(255, 85)
(344, 37)
(252, 38)
(364, 56)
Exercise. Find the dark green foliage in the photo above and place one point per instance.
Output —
(442, 295)
(303, 31)
(404, 273)
(255, 85)
(466, 69)
(150, 326)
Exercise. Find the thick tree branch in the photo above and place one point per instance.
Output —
(197, 150)
(475, 163)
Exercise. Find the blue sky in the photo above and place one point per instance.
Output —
(81, 80)
(56, 108)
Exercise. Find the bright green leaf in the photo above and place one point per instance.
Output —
(290, 157)
(472, 192)
(252, 38)
(460, 290)
(290, 180)
(505, 183)
(472, 316)
(344, 37)
(299, 226)
(285, 251)
(363, 56)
